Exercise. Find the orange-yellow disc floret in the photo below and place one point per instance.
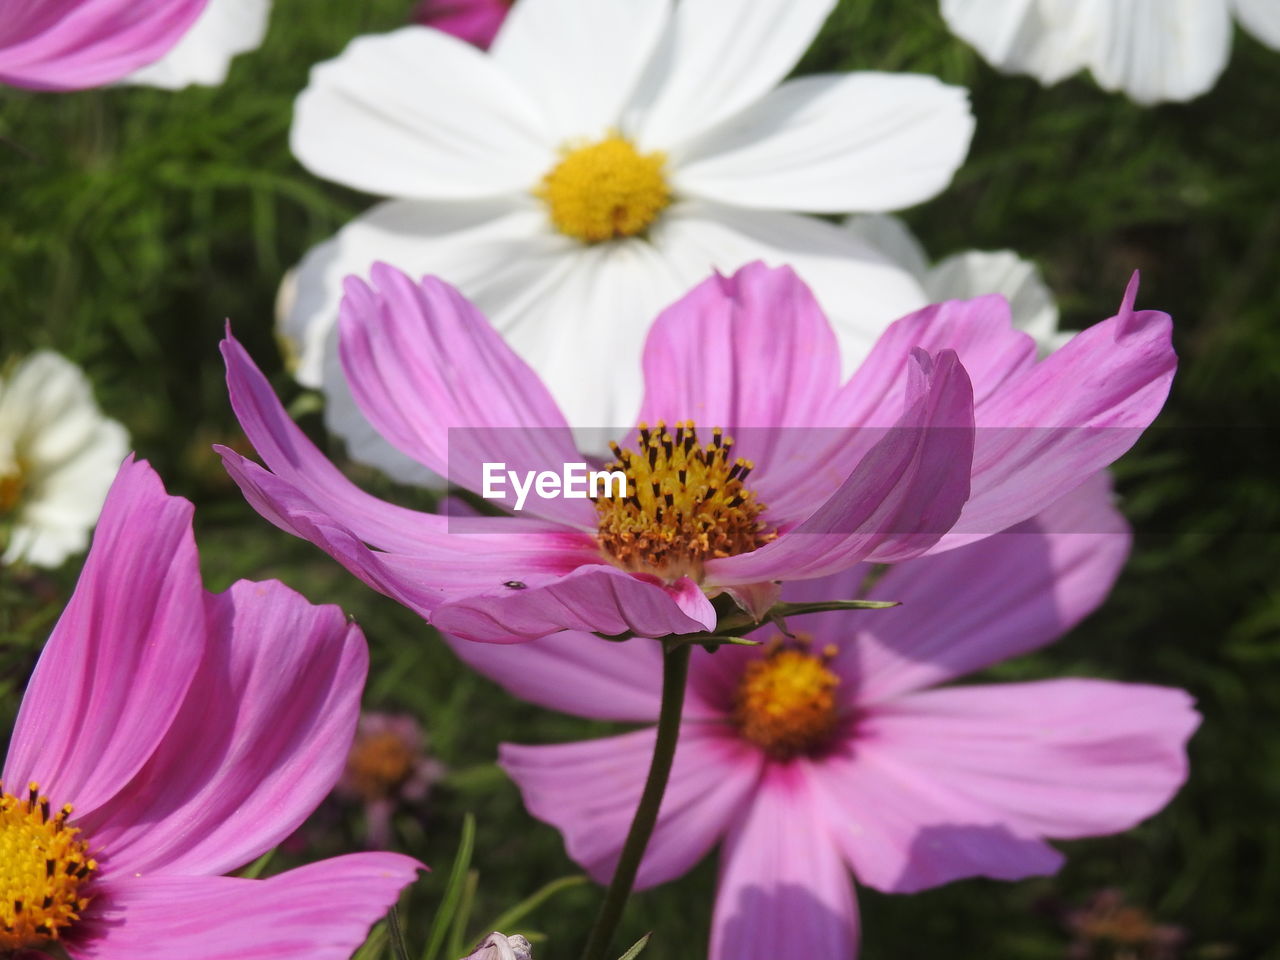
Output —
(685, 503)
(44, 867)
(605, 191)
(786, 701)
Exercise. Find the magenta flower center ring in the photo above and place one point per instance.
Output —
(686, 503)
(786, 701)
(43, 867)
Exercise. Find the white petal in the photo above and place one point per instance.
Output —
(1158, 50)
(858, 141)
(495, 251)
(578, 317)
(72, 492)
(974, 273)
(891, 236)
(971, 274)
(1048, 39)
(203, 55)
(460, 241)
(1262, 19)
(418, 113)
(716, 58)
(45, 545)
(586, 335)
(52, 429)
(580, 61)
(861, 290)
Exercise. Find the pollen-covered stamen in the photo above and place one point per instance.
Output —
(786, 701)
(605, 190)
(686, 503)
(43, 870)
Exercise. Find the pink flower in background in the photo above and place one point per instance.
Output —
(832, 752)
(386, 767)
(73, 44)
(892, 468)
(169, 735)
(475, 21)
(1110, 926)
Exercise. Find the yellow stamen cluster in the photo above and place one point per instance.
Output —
(786, 701)
(606, 190)
(686, 503)
(378, 764)
(42, 870)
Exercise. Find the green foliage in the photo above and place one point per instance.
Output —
(636, 948)
(134, 222)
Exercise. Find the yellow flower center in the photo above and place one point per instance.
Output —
(606, 190)
(378, 764)
(685, 503)
(786, 701)
(42, 868)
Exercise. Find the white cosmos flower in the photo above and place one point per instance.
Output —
(203, 55)
(58, 456)
(971, 273)
(600, 160)
(1153, 50)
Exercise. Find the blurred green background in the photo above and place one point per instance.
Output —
(134, 221)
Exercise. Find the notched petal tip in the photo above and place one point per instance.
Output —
(1131, 292)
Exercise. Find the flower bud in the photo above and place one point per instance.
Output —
(497, 946)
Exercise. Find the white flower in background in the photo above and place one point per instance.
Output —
(58, 456)
(203, 56)
(598, 162)
(1153, 50)
(972, 273)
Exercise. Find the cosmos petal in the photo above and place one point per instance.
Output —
(322, 911)
(260, 740)
(136, 621)
(784, 890)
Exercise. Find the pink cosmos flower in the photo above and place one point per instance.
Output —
(827, 473)
(475, 21)
(74, 44)
(169, 735)
(830, 752)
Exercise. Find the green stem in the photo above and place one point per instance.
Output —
(675, 672)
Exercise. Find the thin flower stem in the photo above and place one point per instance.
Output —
(675, 673)
(397, 935)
